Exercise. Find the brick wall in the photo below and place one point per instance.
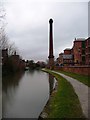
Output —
(84, 70)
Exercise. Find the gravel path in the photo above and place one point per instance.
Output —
(81, 90)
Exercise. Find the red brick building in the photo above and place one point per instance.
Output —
(65, 58)
(87, 52)
(67, 51)
(18, 64)
(68, 57)
(79, 51)
(78, 55)
(15, 60)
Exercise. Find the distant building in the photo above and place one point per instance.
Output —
(79, 51)
(4, 56)
(65, 58)
(67, 51)
(15, 60)
(87, 53)
(12, 63)
(78, 55)
(41, 64)
(22, 64)
(18, 64)
(60, 59)
(68, 57)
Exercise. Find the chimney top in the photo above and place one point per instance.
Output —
(51, 21)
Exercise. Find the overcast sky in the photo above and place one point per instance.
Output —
(28, 26)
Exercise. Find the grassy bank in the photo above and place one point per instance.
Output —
(64, 103)
(82, 78)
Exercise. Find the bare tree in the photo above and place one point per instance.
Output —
(12, 48)
(3, 38)
(4, 41)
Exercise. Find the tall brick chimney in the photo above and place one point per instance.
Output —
(51, 56)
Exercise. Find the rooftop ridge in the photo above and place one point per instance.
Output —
(80, 39)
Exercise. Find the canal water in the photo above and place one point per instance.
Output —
(25, 94)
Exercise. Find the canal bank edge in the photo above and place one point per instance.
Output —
(75, 104)
(44, 113)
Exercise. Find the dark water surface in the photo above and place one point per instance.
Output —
(25, 94)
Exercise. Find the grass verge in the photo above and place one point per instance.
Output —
(82, 78)
(64, 103)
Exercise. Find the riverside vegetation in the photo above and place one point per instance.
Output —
(64, 103)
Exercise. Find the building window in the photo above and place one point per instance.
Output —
(79, 50)
(83, 58)
(76, 61)
(83, 52)
(83, 44)
(89, 49)
(88, 42)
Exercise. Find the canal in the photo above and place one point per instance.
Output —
(24, 95)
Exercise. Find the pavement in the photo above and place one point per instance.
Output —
(82, 92)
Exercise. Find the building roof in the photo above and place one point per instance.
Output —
(67, 56)
(67, 49)
(79, 39)
(88, 38)
(61, 53)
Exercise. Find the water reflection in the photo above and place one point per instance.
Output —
(11, 81)
(9, 87)
(25, 94)
(51, 83)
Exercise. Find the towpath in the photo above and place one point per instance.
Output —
(82, 92)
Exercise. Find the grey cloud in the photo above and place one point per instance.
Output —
(30, 30)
